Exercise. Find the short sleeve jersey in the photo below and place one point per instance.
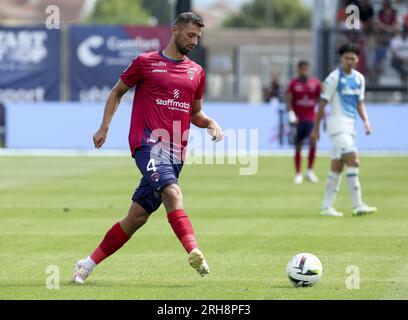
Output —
(163, 99)
(344, 92)
(305, 95)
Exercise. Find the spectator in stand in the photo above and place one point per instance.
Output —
(366, 15)
(275, 91)
(399, 50)
(387, 17)
(370, 40)
(386, 27)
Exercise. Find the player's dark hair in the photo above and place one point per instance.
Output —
(303, 63)
(188, 17)
(349, 47)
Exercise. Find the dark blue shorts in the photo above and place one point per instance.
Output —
(159, 171)
(303, 131)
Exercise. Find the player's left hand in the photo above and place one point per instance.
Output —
(99, 137)
(367, 127)
(314, 136)
(215, 131)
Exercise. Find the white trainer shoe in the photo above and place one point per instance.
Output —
(331, 212)
(363, 209)
(312, 177)
(81, 272)
(298, 178)
(197, 261)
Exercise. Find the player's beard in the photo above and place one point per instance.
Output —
(182, 49)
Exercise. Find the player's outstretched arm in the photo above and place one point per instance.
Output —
(364, 116)
(315, 135)
(111, 106)
(201, 120)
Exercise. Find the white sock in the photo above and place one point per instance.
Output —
(354, 185)
(89, 263)
(332, 187)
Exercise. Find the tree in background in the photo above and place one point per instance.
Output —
(160, 9)
(271, 13)
(119, 12)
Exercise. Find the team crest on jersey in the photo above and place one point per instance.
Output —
(191, 73)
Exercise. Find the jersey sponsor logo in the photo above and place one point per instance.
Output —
(159, 71)
(309, 87)
(158, 64)
(182, 106)
(306, 102)
(173, 104)
(346, 91)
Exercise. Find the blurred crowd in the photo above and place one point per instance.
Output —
(383, 36)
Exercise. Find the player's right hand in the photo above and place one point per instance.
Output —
(292, 117)
(99, 137)
(314, 136)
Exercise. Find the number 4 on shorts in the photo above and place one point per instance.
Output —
(151, 166)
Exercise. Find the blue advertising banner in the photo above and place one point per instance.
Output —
(29, 64)
(98, 55)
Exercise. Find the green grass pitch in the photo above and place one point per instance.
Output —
(55, 210)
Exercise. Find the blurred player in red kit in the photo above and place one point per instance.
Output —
(168, 97)
(302, 97)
